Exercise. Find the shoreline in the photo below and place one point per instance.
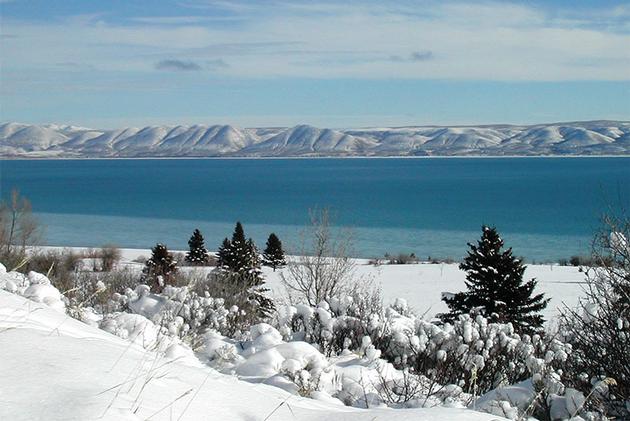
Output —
(156, 158)
(129, 254)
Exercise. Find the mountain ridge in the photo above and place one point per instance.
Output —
(598, 137)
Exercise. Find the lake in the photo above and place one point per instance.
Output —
(545, 208)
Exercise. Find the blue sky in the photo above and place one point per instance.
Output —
(337, 64)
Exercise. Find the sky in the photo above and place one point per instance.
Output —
(339, 64)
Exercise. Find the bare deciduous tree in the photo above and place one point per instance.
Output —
(322, 268)
(18, 226)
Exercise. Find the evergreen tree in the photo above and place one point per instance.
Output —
(496, 289)
(238, 236)
(273, 255)
(197, 253)
(239, 251)
(223, 254)
(160, 269)
(240, 274)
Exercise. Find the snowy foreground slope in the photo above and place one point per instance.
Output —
(57, 368)
(575, 138)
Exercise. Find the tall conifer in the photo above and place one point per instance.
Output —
(273, 255)
(239, 271)
(197, 253)
(496, 289)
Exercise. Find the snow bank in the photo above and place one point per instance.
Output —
(292, 357)
(34, 286)
(84, 373)
(355, 374)
(506, 401)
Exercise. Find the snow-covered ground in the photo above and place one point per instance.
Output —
(422, 284)
(135, 367)
(57, 368)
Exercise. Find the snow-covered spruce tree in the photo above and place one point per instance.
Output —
(240, 279)
(160, 269)
(197, 253)
(599, 327)
(223, 253)
(496, 288)
(239, 251)
(273, 255)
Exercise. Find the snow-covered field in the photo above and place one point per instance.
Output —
(422, 284)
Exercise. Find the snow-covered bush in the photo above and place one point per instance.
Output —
(599, 329)
(185, 313)
(34, 286)
(434, 363)
(334, 325)
(470, 352)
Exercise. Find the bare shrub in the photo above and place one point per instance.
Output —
(110, 256)
(599, 328)
(376, 261)
(401, 258)
(411, 387)
(59, 265)
(322, 268)
(140, 259)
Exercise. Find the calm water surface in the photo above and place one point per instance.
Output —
(546, 208)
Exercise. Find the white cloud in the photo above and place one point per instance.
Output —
(489, 41)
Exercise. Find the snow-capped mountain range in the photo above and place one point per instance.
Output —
(575, 138)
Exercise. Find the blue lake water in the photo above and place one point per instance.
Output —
(545, 208)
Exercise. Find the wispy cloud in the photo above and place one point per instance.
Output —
(177, 65)
(190, 65)
(216, 64)
(424, 55)
(421, 55)
(75, 65)
(416, 39)
(183, 20)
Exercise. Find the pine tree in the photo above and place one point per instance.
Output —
(273, 255)
(496, 289)
(254, 281)
(238, 249)
(238, 236)
(239, 272)
(160, 269)
(223, 254)
(197, 254)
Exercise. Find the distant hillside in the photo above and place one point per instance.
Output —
(575, 138)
